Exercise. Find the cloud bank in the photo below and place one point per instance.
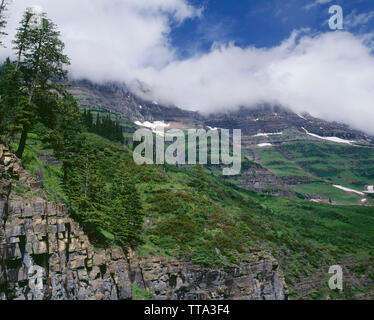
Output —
(329, 75)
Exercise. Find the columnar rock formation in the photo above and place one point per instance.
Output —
(44, 254)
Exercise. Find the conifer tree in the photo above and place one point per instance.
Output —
(126, 210)
(40, 60)
(65, 137)
(11, 101)
(105, 126)
(90, 120)
(23, 37)
(85, 189)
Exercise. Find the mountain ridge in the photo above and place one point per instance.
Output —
(117, 98)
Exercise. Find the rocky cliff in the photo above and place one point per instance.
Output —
(256, 279)
(45, 255)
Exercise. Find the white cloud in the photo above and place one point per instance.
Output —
(353, 19)
(329, 75)
(110, 38)
(316, 3)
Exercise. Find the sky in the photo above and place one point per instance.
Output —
(218, 55)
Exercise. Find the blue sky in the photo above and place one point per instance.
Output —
(262, 23)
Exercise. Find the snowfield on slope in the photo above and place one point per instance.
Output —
(262, 145)
(267, 134)
(212, 129)
(152, 125)
(331, 139)
(349, 190)
(156, 127)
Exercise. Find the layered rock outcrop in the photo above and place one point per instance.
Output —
(257, 279)
(45, 255)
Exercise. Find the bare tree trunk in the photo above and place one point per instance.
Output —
(26, 128)
(22, 142)
(86, 178)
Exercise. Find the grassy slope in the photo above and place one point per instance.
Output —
(326, 164)
(342, 164)
(224, 223)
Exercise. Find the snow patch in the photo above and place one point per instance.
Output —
(152, 125)
(262, 145)
(157, 126)
(267, 134)
(213, 129)
(300, 116)
(316, 200)
(331, 139)
(349, 190)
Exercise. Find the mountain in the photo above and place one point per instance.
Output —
(117, 98)
(274, 119)
(330, 156)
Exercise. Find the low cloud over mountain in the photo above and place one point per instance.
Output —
(327, 74)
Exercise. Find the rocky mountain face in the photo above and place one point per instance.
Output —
(272, 119)
(257, 178)
(117, 98)
(45, 255)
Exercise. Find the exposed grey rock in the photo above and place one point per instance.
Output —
(257, 279)
(116, 97)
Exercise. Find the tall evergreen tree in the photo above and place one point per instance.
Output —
(85, 188)
(41, 60)
(66, 137)
(23, 38)
(105, 126)
(126, 211)
(11, 101)
(89, 120)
